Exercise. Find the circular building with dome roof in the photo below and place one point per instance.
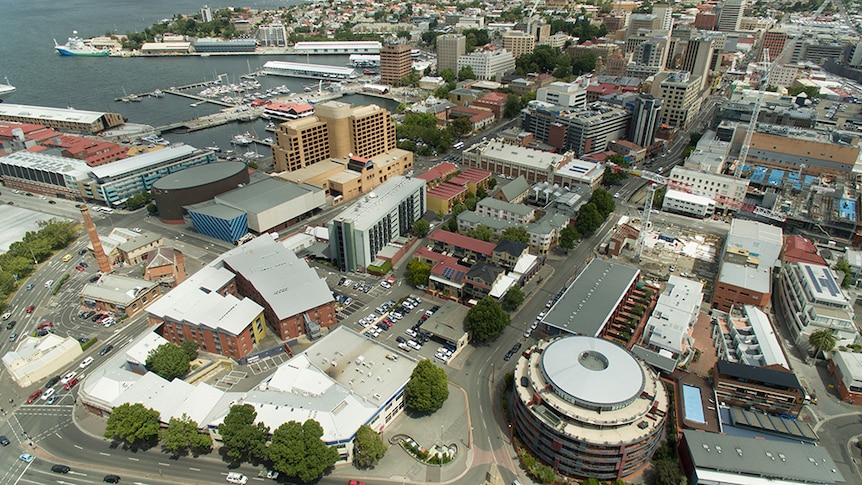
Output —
(588, 407)
(196, 184)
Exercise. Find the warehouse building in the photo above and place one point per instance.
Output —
(61, 119)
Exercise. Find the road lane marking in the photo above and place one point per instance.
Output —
(76, 446)
(104, 454)
(194, 469)
(133, 458)
(164, 464)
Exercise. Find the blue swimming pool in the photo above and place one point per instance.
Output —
(692, 404)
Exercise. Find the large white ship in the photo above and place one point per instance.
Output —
(6, 90)
(75, 46)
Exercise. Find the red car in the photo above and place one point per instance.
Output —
(31, 308)
(355, 482)
(70, 384)
(79, 268)
(34, 396)
(45, 325)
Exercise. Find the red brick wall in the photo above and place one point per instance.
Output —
(726, 296)
(846, 395)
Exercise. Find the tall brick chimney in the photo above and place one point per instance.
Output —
(98, 250)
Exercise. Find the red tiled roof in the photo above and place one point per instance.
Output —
(425, 253)
(494, 98)
(450, 263)
(473, 175)
(446, 191)
(800, 249)
(291, 106)
(438, 171)
(602, 88)
(461, 241)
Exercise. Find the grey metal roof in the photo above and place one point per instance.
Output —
(785, 379)
(588, 302)
(515, 188)
(447, 322)
(139, 241)
(48, 113)
(117, 289)
(287, 283)
(198, 176)
(508, 246)
(155, 157)
(769, 459)
(485, 272)
(495, 224)
(210, 208)
(264, 195)
(501, 205)
(368, 210)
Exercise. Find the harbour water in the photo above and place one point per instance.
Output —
(42, 77)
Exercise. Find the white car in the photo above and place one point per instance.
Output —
(385, 285)
(414, 344)
(410, 332)
(237, 478)
(396, 315)
(527, 333)
(85, 362)
(442, 357)
(137, 229)
(403, 346)
(7, 315)
(48, 393)
(535, 325)
(68, 377)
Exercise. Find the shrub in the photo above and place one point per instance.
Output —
(89, 343)
(380, 270)
(58, 284)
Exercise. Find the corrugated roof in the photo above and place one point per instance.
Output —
(462, 241)
(264, 195)
(47, 113)
(155, 157)
(785, 379)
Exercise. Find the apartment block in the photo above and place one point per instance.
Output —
(771, 389)
(567, 95)
(449, 48)
(680, 94)
(488, 65)
(519, 43)
(583, 130)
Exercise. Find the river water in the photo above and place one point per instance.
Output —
(43, 78)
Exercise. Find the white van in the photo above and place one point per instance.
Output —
(49, 283)
(235, 477)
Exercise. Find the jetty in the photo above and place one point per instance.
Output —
(216, 119)
(174, 89)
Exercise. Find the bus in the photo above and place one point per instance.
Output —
(458, 145)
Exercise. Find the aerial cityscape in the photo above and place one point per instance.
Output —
(495, 243)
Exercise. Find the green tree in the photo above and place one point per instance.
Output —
(418, 272)
(460, 127)
(138, 200)
(513, 299)
(822, 340)
(452, 225)
(512, 106)
(182, 434)
(481, 232)
(427, 389)
(486, 320)
(465, 73)
(589, 219)
(569, 237)
(169, 361)
(843, 266)
(603, 201)
(421, 228)
(297, 450)
(190, 348)
(133, 424)
(658, 198)
(666, 472)
(447, 75)
(368, 447)
(516, 233)
(242, 438)
(152, 209)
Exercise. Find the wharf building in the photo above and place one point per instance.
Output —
(310, 71)
(336, 130)
(395, 62)
(62, 119)
(582, 130)
(333, 48)
(449, 48)
(358, 233)
(567, 415)
(41, 139)
(210, 45)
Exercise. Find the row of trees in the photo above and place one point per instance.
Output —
(219, 26)
(20, 260)
(552, 60)
(138, 426)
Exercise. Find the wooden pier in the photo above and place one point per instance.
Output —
(175, 89)
(209, 121)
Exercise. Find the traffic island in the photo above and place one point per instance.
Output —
(438, 454)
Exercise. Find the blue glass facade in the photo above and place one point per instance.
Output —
(225, 229)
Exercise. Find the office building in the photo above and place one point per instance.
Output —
(773, 41)
(688, 204)
(449, 48)
(730, 15)
(697, 59)
(121, 295)
(809, 299)
(519, 43)
(646, 114)
(582, 130)
(488, 65)
(664, 16)
(396, 62)
(206, 14)
(680, 94)
(568, 416)
(336, 130)
(567, 95)
(359, 232)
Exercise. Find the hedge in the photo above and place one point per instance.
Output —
(89, 343)
(59, 284)
(380, 270)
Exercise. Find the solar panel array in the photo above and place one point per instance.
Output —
(825, 281)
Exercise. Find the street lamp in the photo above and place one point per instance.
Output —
(31, 254)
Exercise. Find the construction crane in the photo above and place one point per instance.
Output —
(743, 151)
(647, 210)
(683, 187)
(532, 14)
